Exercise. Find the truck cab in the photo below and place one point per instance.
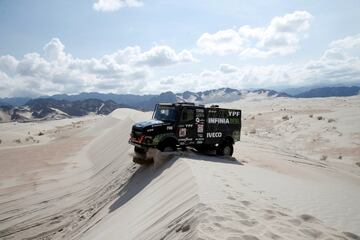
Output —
(176, 125)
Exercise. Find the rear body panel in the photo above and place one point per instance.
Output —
(222, 123)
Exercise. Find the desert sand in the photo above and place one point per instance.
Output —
(295, 174)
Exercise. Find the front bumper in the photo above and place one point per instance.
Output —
(141, 143)
(135, 143)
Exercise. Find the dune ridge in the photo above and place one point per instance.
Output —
(96, 192)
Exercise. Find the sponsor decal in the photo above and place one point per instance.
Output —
(234, 113)
(169, 127)
(197, 119)
(218, 120)
(185, 139)
(234, 120)
(200, 113)
(200, 128)
(214, 135)
(182, 132)
(188, 125)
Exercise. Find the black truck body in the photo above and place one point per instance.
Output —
(186, 124)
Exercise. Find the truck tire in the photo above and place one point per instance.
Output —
(139, 150)
(139, 156)
(167, 146)
(225, 149)
(142, 160)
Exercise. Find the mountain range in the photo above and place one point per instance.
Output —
(48, 108)
(330, 92)
(63, 105)
(147, 102)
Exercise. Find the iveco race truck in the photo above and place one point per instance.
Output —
(181, 125)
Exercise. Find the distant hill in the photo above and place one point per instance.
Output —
(329, 92)
(148, 105)
(81, 104)
(14, 101)
(148, 102)
(297, 90)
(271, 93)
(48, 108)
(224, 95)
(210, 96)
(126, 99)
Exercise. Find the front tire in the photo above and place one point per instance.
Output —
(142, 160)
(139, 156)
(139, 150)
(167, 147)
(225, 149)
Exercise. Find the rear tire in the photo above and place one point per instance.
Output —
(225, 149)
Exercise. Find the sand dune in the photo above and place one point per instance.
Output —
(81, 183)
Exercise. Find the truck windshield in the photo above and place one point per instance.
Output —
(165, 113)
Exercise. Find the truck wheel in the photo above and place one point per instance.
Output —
(139, 156)
(167, 147)
(139, 150)
(142, 160)
(225, 149)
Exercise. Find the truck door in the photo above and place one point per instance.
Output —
(186, 132)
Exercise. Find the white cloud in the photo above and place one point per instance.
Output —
(56, 71)
(132, 70)
(54, 51)
(157, 56)
(164, 56)
(281, 37)
(338, 64)
(227, 68)
(347, 42)
(8, 64)
(114, 5)
(222, 42)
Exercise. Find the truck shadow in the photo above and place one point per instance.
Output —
(138, 181)
(209, 156)
(146, 174)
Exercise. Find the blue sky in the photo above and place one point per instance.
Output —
(135, 46)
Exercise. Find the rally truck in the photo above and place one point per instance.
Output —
(181, 125)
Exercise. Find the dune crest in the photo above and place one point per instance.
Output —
(81, 183)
